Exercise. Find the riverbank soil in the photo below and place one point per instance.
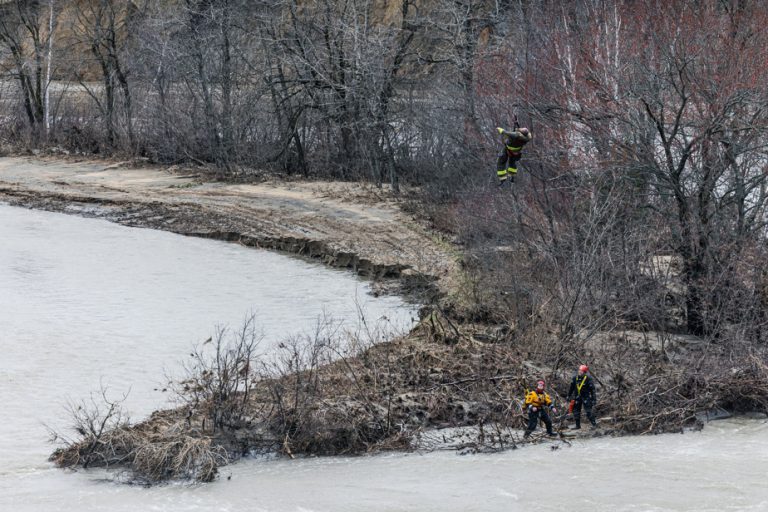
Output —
(332, 395)
(343, 224)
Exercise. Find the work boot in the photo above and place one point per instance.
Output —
(551, 434)
(576, 427)
(526, 435)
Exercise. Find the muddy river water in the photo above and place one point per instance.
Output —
(85, 303)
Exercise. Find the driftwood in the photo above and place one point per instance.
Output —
(323, 398)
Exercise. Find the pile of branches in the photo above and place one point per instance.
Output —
(326, 393)
(652, 391)
(157, 450)
(332, 393)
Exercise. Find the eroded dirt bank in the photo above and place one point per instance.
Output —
(344, 225)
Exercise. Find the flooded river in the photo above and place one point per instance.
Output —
(85, 303)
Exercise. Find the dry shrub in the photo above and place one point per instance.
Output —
(333, 392)
(218, 378)
(659, 383)
(153, 452)
(113, 448)
(179, 457)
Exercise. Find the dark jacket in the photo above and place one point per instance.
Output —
(582, 388)
(514, 140)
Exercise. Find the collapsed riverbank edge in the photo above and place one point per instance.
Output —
(189, 220)
(445, 373)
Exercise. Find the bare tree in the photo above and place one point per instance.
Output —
(106, 28)
(25, 30)
(346, 68)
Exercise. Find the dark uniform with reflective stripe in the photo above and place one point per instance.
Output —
(583, 392)
(506, 166)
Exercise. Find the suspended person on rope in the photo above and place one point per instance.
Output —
(506, 166)
(537, 402)
(582, 392)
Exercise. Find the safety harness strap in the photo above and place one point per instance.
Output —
(579, 386)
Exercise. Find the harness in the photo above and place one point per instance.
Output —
(579, 386)
(514, 150)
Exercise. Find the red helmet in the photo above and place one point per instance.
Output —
(583, 368)
(540, 384)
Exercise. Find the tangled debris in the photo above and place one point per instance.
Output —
(329, 394)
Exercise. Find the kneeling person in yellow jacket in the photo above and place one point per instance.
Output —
(537, 402)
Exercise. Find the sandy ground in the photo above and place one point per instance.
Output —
(345, 225)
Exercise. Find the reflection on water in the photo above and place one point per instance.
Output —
(84, 301)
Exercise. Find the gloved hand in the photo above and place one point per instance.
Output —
(500, 130)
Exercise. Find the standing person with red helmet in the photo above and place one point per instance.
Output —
(583, 392)
(537, 402)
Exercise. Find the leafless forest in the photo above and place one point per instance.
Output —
(640, 205)
(642, 198)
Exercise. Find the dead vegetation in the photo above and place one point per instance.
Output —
(640, 206)
(156, 450)
(333, 392)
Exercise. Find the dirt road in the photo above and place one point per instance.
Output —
(344, 225)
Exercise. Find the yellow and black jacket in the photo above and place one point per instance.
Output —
(540, 400)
